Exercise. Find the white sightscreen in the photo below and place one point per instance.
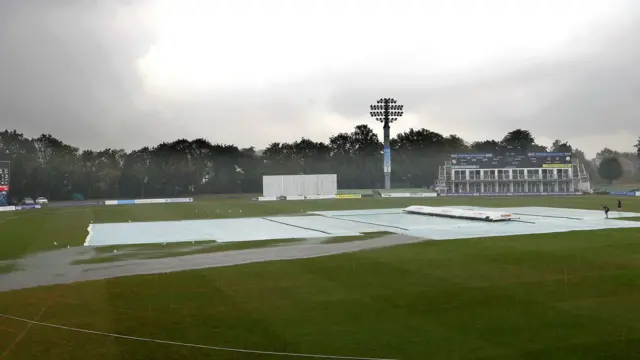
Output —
(271, 186)
(327, 184)
(299, 185)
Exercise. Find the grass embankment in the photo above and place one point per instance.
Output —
(553, 296)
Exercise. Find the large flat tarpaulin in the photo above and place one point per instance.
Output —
(528, 220)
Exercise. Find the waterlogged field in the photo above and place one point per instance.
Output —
(554, 296)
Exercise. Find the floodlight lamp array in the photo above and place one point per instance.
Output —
(386, 109)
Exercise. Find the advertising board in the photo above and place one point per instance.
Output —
(513, 194)
(151, 201)
(348, 196)
(621, 193)
(75, 203)
(387, 160)
(297, 197)
(180, 200)
(267, 198)
(27, 207)
(5, 169)
(405, 195)
(511, 159)
(148, 201)
(320, 197)
(7, 208)
(308, 197)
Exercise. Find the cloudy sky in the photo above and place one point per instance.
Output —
(129, 73)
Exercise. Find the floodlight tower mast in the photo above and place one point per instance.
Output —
(386, 111)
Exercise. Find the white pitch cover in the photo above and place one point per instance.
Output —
(459, 213)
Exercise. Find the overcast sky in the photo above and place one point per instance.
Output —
(130, 73)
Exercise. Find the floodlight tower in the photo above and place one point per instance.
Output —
(386, 111)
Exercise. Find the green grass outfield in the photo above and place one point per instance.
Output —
(552, 296)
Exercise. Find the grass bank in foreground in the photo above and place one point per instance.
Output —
(554, 296)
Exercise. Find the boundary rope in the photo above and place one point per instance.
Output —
(187, 344)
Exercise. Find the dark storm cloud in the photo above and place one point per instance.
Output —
(69, 68)
(65, 70)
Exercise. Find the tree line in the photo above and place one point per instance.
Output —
(46, 166)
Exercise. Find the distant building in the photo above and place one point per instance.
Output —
(512, 170)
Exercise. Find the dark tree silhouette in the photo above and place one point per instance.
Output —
(46, 166)
(561, 146)
(610, 169)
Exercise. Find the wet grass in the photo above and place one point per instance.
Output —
(629, 219)
(152, 247)
(159, 252)
(115, 253)
(558, 296)
(346, 239)
(8, 268)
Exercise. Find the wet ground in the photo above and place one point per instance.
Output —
(55, 267)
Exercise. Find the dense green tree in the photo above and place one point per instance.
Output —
(487, 146)
(561, 146)
(523, 139)
(610, 169)
(46, 166)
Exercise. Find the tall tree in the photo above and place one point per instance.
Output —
(561, 147)
(486, 146)
(637, 146)
(606, 152)
(46, 166)
(610, 169)
(522, 139)
(518, 137)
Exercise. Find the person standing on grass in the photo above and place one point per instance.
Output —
(619, 205)
(606, 211)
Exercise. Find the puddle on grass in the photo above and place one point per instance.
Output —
(113, 254)
(7, 267)
(55, 267)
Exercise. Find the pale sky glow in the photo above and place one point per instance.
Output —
(249, 72)
(205, 45)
